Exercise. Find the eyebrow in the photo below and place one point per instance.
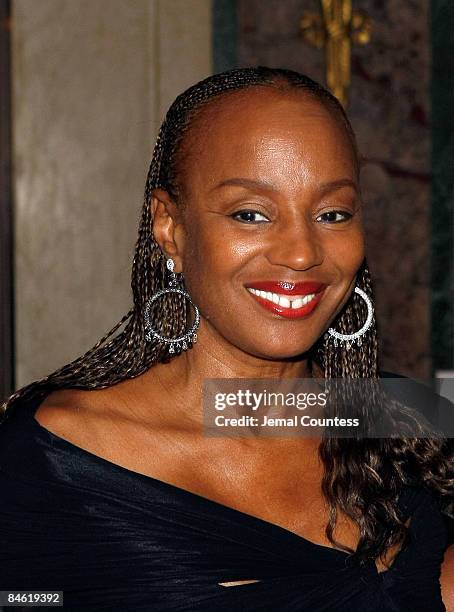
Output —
(254, 184)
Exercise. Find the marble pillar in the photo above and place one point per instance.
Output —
(91, 82)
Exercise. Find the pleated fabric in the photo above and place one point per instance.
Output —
(112, 539)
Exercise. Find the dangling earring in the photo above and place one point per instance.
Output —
(190, 337)
(351, 338)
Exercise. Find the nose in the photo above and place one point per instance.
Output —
(295, 245)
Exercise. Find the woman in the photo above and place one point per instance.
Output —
(113, 493)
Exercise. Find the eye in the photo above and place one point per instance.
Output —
(335, 216)
(249, 216)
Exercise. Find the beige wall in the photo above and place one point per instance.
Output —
(91, 82)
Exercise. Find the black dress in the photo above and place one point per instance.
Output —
(113, 539)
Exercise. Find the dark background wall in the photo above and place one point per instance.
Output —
(442, 98)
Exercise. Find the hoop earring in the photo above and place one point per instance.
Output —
(190, 337)
(351, 338)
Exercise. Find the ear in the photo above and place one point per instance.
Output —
(167, 226)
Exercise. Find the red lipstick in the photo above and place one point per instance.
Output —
(290, 289)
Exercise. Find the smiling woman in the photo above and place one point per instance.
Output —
(250, 263)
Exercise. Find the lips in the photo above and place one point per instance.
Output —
(287, 299)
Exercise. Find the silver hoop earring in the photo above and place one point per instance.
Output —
(190, 337)
(356, 337)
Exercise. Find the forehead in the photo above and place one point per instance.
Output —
(262, 132)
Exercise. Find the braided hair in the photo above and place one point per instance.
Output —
(362, 478)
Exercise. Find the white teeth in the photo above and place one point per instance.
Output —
(297, 303)
(285, 301)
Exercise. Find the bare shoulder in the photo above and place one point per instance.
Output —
(72, 414)
(73, 409)
(107, 422)
(447, 579)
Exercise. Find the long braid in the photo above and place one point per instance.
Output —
(337, 361)
(361, 477)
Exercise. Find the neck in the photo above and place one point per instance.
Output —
(213, 357)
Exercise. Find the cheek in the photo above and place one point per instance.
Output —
(346, 250)
(355, 252)
(212, 259)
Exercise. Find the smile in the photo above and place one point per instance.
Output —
(286, 301)
(288, 306)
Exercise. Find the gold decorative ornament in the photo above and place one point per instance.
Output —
(336, 29)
